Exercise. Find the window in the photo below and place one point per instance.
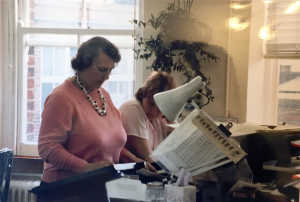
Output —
(283, 47)
(259, 58)
(289, 92)
(274, 62)
(48, 43)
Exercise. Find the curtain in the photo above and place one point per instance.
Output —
(8, 73)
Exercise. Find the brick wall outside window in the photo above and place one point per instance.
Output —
(33, 94)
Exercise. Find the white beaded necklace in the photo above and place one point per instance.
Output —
(102, 111)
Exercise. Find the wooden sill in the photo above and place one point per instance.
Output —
(27, 164)
(27, 157)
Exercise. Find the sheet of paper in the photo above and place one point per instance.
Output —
(187, 147)
(210, 129)
(124, 188)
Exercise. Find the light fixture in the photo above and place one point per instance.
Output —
(239, 6)
(292, 8)
(265, 33)
(237, 24)
(268, 1)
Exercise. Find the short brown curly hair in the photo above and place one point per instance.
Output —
(89, 50)
(157, 82)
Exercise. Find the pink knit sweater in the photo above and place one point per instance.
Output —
(72, 134)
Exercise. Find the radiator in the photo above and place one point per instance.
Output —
(19, 190)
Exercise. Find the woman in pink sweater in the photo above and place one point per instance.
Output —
(81, 129)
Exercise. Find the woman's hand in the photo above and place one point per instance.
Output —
(96, 165)
(128, 157)
(148, 165)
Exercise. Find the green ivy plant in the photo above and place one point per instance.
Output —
(175, 55)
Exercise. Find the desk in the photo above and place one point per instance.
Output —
(264, 144)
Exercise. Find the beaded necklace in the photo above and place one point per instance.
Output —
(102, 111)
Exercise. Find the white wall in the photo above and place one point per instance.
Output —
(238, 49)
(206, 27)
(230, 75)
(251, 80)
(211, 16)
(262, 75)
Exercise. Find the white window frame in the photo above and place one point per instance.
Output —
(13, 95)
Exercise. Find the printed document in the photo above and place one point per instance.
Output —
(195, 148)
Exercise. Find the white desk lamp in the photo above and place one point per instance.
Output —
(197, 144)
(171, 102)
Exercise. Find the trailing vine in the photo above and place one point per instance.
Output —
(175, 55)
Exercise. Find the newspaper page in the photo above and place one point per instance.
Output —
(189, 148)
(210, 129)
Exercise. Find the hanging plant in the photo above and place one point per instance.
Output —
(168, 55)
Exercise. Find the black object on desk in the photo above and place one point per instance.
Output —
(86, 187)
(224, 130)
(89, 186)
(6, 161)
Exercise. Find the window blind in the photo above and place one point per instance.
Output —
(283, 20)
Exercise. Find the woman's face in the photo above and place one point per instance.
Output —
(150, 108)
(101, 68)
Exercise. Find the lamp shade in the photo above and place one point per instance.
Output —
(171, 102)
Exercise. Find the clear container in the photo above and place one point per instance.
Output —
(155, 192)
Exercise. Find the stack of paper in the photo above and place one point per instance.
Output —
(197, 145)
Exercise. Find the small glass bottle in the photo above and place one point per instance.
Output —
(155, 192)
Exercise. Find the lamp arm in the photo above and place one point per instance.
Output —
(199, 96)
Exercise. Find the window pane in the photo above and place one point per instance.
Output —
(82, 14)
(47, 64)
(99, 14)
(73, 52)
(46, 90)
(284, 22)
(112, 86)
(49, 13)
(124, 41)
(120, 83)
(62, 61)
(289, 92)
(56, 61)
(126, 64)
(120, 91)
(51, 40)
